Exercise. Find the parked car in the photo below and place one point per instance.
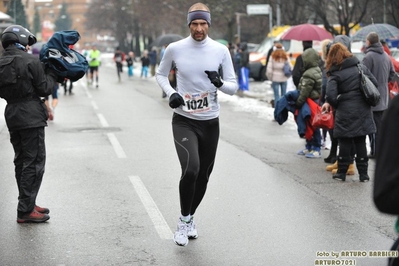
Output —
(395, 53)
(252, 46)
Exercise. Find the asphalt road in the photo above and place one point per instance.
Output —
(112, 176)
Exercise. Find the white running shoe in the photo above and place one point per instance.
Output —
(192, 229)
(180, 237)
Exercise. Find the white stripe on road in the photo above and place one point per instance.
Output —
(93, 103)
(156, 217)
(117, 147)
(103, 121)
(84, 85)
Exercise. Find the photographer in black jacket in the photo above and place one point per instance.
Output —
(23, 80)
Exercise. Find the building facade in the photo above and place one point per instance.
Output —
(49, 11)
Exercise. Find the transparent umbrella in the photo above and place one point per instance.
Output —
(384, 31)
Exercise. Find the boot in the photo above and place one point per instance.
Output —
(332, 157)
(332, 166)
(343, 165)
(362, 167)
(351, 170)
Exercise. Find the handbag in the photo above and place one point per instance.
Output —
(324, 120)
(287, 69)
(369, 90)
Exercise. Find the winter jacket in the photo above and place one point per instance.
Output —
(395, 63)
(379, 64)
(129, 61)
(311, 80)
(23, 80)
(275, 72)
(153, 57)
(302, 116)
(145, 61)
(58, 55)
(353, 116)
(284, 105)
(244, 56)
(298, 68)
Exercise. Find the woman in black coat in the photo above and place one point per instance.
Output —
(353, 116)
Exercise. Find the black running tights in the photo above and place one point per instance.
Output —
(196, 143)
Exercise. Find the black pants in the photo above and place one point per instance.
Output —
(65, 84)
(29, 161)
(377, 117)
(196, 144)
(349, 146)
(119, 69)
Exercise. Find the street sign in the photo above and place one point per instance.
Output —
(258, 9)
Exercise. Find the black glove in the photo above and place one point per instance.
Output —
(175, 100)
(215, 78)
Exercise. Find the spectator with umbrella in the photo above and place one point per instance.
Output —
(307, 33)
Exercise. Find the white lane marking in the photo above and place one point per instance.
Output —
(112, 138)
(84, 85)
(103, 121)
(95, 106)
(156, 217)
(117, 147)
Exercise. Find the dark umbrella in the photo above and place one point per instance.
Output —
(306, 32)
(166, 39)
(384, 31)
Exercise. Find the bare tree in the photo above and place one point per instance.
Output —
(114, 17)
(392, 11)
(346, 13)
(132, 22)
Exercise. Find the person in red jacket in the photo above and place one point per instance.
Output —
(393, 85)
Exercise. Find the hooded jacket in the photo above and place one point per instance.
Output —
(345, 40)
(310, 82)
(298, 67)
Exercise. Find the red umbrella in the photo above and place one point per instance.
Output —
(306, 32)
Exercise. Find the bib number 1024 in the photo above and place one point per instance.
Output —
(197, 103)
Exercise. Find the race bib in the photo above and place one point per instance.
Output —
(197, 102)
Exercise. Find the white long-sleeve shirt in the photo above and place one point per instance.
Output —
(192, 58)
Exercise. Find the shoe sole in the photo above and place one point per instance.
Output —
(181, 245)
(339, 179)
(192, 237)
(347, 173)
(313, 157)
(21, 221)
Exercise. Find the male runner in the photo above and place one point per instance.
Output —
(203, 68)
